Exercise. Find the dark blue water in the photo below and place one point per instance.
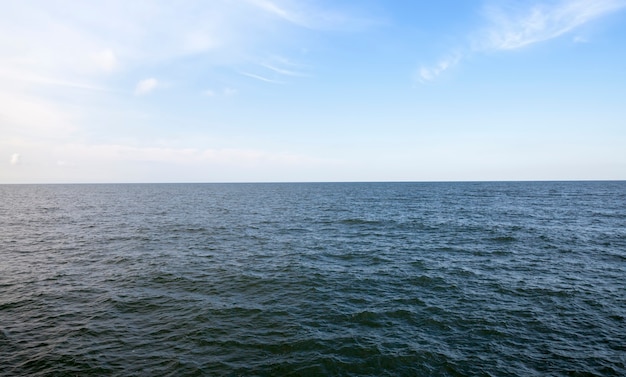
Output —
(416, 279)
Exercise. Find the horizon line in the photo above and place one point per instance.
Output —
(317, 182)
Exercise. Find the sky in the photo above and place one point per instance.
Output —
(303, 90)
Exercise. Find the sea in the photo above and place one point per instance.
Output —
(313, 279)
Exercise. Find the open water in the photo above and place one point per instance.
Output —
(338, 279)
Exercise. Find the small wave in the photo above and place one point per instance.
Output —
(544, 292)
(367, 318)
(504, 239)
(357, 221)
(430, 280)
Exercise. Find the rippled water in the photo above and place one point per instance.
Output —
(377, 279)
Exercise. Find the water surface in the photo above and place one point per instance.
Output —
(344, 279)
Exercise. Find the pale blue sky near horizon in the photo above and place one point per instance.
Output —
(286, 90)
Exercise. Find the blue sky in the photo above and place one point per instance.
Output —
(285, 90)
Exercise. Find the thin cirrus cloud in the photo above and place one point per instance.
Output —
(54, 55)
(283, 71)
(431, 73)
(309, 15)
(276, 70)
(261, 78)
(514, 28)
(275, 9)
(57, 46)
(541, 22)
(273, 73)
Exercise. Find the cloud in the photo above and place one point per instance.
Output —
(63, 62)
(305, 14)
(541, 22)
(282, 71)
(276, 10)
(518, 27)
(261, 78)
(275, 70)
(426, 73)
(77, 45)
(68, 42)
(146, 86)
(15, 159)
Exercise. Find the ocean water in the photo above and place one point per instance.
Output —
(337, 279)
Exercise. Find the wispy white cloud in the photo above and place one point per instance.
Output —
(276, 70)
(519, 26)
(306, 14)
(430, 73)
(69, 42)
(146, 86)
(261, 78)
(541, 22)
(283, 71)
(64, 63)
(282, 12)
